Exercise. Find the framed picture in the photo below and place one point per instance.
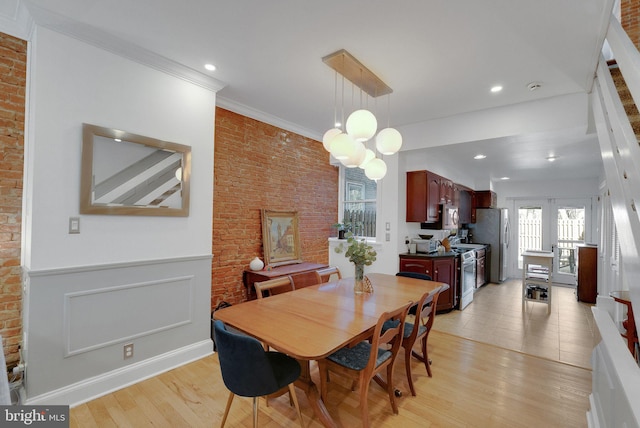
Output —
(280, 237)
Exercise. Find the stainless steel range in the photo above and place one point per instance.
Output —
(467, 274)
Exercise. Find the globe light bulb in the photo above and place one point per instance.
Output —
(388, 141)
(375, 169)
(328, 137)
(361, 125)
(342, 146)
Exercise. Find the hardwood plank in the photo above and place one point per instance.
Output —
(473, 384)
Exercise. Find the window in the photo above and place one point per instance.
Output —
(359, 201)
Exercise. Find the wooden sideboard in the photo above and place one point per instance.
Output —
(587, 279)
(250, 276)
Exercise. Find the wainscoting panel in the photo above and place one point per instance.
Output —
(77, 321)
(89, 315)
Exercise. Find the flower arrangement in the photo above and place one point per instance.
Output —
(358, 251)
(360, 254)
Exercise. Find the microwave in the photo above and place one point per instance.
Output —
(425, 245)
(448, 218)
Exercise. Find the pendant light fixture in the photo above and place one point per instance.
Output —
(348, 144)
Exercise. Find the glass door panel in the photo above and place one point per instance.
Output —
(529, 230)
(570, 227)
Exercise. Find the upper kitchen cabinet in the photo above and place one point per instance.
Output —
(464, 201)
(423, 196)
(447, 194)
(485, 199)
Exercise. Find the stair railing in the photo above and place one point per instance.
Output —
(620, 151)
(615, 397)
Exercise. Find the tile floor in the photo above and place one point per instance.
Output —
(498, 317)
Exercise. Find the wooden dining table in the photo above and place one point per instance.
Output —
(313, 322)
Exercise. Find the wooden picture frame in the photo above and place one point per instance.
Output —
(280, 237)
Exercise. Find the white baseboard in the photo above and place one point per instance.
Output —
(89, 389)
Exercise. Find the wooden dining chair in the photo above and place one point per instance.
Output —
(305, 279)
(420, 329)
(273, 286)
(365, 360)
(250, 371)
(328, 272)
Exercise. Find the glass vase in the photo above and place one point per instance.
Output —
(358, 286)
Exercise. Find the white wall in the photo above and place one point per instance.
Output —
(144, 280)
(72, 82)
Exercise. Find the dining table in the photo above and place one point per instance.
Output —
(313, 322)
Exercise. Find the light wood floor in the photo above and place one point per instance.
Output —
(474, 384)
(568, 334)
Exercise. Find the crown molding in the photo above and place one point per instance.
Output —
(120, 47)
(266, 118)
(16, 20)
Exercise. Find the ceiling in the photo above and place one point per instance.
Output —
(440, 57)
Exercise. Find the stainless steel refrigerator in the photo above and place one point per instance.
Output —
(492, 227)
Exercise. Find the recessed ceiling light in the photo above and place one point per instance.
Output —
(552, 158)
(496, 88)
(480, 156)
(210, 67)
(504, 178)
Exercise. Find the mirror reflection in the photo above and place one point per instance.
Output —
(129, 174)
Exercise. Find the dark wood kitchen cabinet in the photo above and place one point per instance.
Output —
(587, 286)
(447, 195)
(441, 269)
(417, 265)
(464, 203)
(486, 199)
(481, 272)
(444, 270)
(423, 196)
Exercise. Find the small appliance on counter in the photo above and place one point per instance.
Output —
(425, 245)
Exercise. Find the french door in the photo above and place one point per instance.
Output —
(557, 225)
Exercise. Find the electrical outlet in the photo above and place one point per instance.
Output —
(128, 350)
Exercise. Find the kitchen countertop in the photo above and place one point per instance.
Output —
(435, 255)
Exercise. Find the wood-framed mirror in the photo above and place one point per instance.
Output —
(129, 174)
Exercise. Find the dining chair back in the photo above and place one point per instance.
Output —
(305, 279)
(419, 329)
(273, 286)
(416, 275)
(249, 371)
(328, 273)
(365, 360)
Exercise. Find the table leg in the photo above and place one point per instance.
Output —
(305, 383)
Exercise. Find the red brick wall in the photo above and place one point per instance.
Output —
(630, 19)
(13, 71)
(257, 166)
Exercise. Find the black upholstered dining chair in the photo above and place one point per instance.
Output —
(250, 371)
(415, 275)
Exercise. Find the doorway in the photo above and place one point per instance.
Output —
(556, 225)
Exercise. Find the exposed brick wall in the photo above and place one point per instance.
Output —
(257, 166)
(13, 72)
(630, 19)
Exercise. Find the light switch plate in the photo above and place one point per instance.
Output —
(74, 224)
